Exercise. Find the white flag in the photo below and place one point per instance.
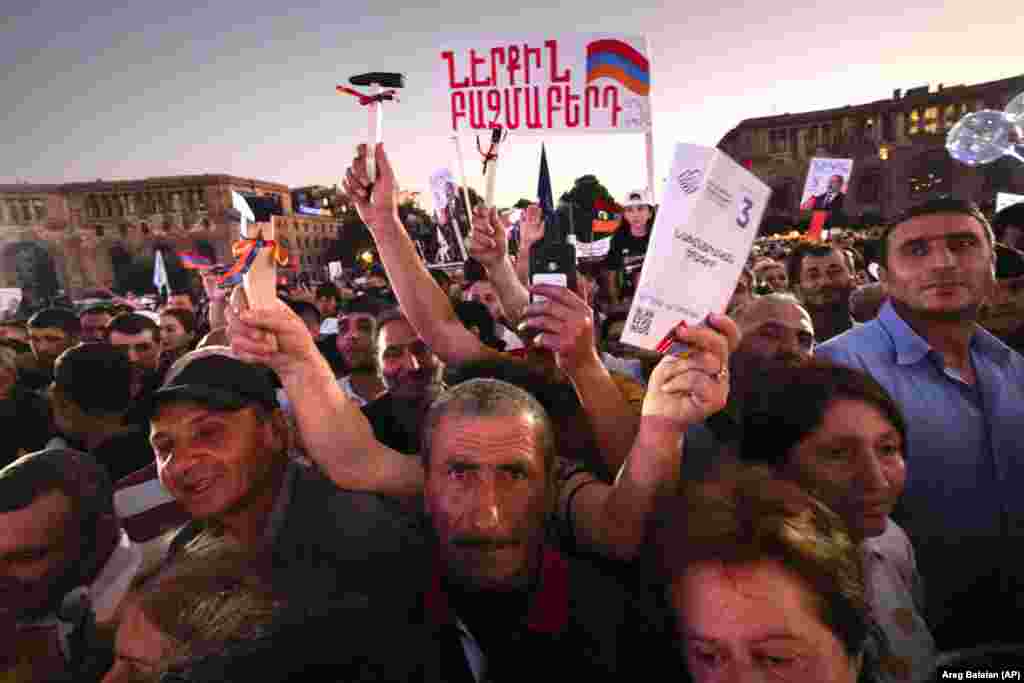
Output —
(239, 204)
(160, 280)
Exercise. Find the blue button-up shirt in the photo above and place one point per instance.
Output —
(963, 505)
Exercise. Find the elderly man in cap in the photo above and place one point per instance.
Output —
(221, 445)
(65, 564)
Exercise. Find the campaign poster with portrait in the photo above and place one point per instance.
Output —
(547, 83)
(827, 183)
(450, 217)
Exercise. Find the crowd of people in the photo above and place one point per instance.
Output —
(470, 478)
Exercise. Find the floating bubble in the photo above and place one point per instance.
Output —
(1015, 109)
(982, 137)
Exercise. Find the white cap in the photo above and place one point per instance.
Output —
(637, 198)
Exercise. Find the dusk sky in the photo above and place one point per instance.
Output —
(98, 89)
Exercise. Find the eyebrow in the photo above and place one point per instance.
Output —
(192, 421)
(767, 637)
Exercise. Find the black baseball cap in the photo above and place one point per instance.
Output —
(215, 377)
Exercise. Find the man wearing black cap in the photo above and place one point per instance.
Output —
(90, 400)
(65, 564)
(50, 332)
(221, 445)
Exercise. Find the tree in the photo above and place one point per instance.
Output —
(522, 203)
(586, 190)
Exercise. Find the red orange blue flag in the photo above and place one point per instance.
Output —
(619, 61)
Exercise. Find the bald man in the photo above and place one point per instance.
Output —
(776, 330)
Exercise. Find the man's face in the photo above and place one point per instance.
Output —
(483, 292)
(38, 547)
(776, 278)
(355, 340)
(407, 365)
(825, 281)
(939, 266)
(327, 305)
(1003, 314)
(49, 342)
(172, 333)
(487, 497)
(180, 301)
(214, 463)
(775, 332)
(143, 352)
(835, 183)
(94, 326)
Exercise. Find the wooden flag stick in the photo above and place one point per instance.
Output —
(465, 196)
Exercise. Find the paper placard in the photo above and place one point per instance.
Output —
(545, 83)
(1005, 199)
(819, 173)
(598, 249)
(711, 208)
(10, 300)
(334, 270)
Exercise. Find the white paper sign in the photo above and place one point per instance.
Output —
(334, 270)
(575, 83)
(598, 249)
(711, 208)
(819, 173)
(1005, 199)
(10, 299)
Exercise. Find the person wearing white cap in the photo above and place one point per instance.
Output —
(628, 247)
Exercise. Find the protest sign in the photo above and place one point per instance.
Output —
(710, 212)
(547, 84)
(10, 300)
(334, 270)
(1005, 199)
(450, 221)
(819, 176)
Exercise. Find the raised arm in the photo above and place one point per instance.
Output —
(335, 433)
(426, 306)
(566, 325)
(488, 244)
(683, 391)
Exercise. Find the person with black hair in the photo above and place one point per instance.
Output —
(177, 334)
(91, 401)
(476, 317)
(51, 332)
(822, 278)
(94, 322)
(24, 416)
(65, 565)
(138, 337)
(1008, 226)
(961, 391)
(1003, 312)
(328, 301)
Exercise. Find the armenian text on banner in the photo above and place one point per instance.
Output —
(548, 84)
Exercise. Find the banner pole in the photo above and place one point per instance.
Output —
(465, 197)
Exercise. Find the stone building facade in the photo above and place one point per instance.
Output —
(307, 239)
(86, 233)
(897, 144)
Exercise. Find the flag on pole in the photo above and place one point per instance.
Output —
(194, 261)
(544, 194)
(239, 204)
(160, 280)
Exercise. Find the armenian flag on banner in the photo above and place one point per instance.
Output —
(619, 61)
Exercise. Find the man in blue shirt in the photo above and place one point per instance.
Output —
(962, 393)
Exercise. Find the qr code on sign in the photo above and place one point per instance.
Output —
(641, 323)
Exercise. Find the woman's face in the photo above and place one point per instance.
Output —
(637, 216)
(755, 622)
(854, 463)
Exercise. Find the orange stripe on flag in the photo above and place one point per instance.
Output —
(615, 73)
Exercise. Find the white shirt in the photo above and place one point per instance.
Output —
(114, 580)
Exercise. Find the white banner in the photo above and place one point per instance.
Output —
(547, 84)
(1005, 199)
(709, 215)
(819, 182)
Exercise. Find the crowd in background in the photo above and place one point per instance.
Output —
(469, 477)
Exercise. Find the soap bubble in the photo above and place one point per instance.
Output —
(982, 137)
(1015, 109)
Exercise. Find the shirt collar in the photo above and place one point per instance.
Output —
(912, 347)
(549, 604)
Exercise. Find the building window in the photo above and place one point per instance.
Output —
(206, 224)
(949, 117)
(778, 141)
(124, 231)
(99, 231)
(869, 187)
(40, 209)
(144, 228)
(914, 123)
(931, 120)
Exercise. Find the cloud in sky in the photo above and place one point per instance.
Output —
(103, 89)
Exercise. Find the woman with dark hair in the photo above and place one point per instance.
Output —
(628, 247)
(837, 433)
(764, 582)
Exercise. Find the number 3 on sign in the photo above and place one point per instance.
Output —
(744, 218)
